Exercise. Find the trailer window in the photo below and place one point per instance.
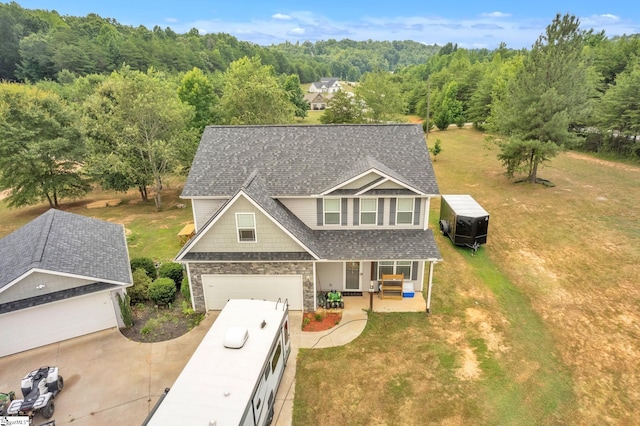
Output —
(276, 357)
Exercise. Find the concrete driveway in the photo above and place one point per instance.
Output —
(108, 379)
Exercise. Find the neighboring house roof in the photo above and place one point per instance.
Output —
(67, 243)
(305, 160)
(316, 98)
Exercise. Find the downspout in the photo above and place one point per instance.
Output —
(430, 285)
(315, 289)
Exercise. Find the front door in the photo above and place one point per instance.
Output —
(352, 276)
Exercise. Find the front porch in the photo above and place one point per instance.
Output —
(356, 304)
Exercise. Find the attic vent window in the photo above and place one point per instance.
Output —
(235, 337)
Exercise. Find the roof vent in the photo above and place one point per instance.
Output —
(235, 337)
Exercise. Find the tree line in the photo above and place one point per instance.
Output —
(38, 44)
(130, 127)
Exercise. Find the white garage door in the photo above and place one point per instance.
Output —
(220, 288)
(41, 325)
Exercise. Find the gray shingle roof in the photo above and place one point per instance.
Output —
(64, 242)
(305, 160)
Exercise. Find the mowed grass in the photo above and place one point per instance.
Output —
(540, 327)
(149, 233)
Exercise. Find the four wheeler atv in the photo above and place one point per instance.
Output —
(39, 388)
(334, 299)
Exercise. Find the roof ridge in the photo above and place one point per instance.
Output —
(43, 238)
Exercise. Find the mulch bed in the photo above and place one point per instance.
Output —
(327, 320)
(162, 323)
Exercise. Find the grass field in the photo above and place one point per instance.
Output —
(540, 327)
(149, 233)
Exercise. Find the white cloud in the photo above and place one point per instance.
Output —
(281, 16)
(486, 31)
(171, 20)
(610, 16)
(496, 14)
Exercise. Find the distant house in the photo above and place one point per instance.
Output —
(325, 85)
(59, 275)
(282, 212)
(317, 101)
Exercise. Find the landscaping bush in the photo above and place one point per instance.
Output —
(125, 310)
(162, 291)
(184, 289)
(172, 270)
(145, 263)
(139, 292)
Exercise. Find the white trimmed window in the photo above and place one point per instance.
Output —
(332, 211)
(404, 211)
(246, 224)
(368, 211)
(387, 267)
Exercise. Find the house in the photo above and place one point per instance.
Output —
(317, 101)
(325, 85)
(59, 275)
(282, 212)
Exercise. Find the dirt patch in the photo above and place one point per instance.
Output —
(156, 324)
(320, 321)
(470, 369)
(603, 162)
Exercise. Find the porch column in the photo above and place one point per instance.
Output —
(429, 288)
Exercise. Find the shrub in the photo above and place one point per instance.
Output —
(145, 263)
(125, 310)
(149, 326)
(172, 270)
(184, 289)
(139, 292)
(162, 291)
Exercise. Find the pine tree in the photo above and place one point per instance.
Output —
(548, 93)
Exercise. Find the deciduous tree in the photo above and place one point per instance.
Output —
(342, 108)
(137, 126)
(381, 95)
(252, 95)
(41, 147)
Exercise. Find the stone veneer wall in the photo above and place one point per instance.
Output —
(254, 268)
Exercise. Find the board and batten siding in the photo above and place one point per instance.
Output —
(28, 286)
(223, 236)
(306, 209)
(204, 209)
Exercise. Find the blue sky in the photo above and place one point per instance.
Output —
(470, 24)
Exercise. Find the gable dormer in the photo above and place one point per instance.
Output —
(371, 177)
